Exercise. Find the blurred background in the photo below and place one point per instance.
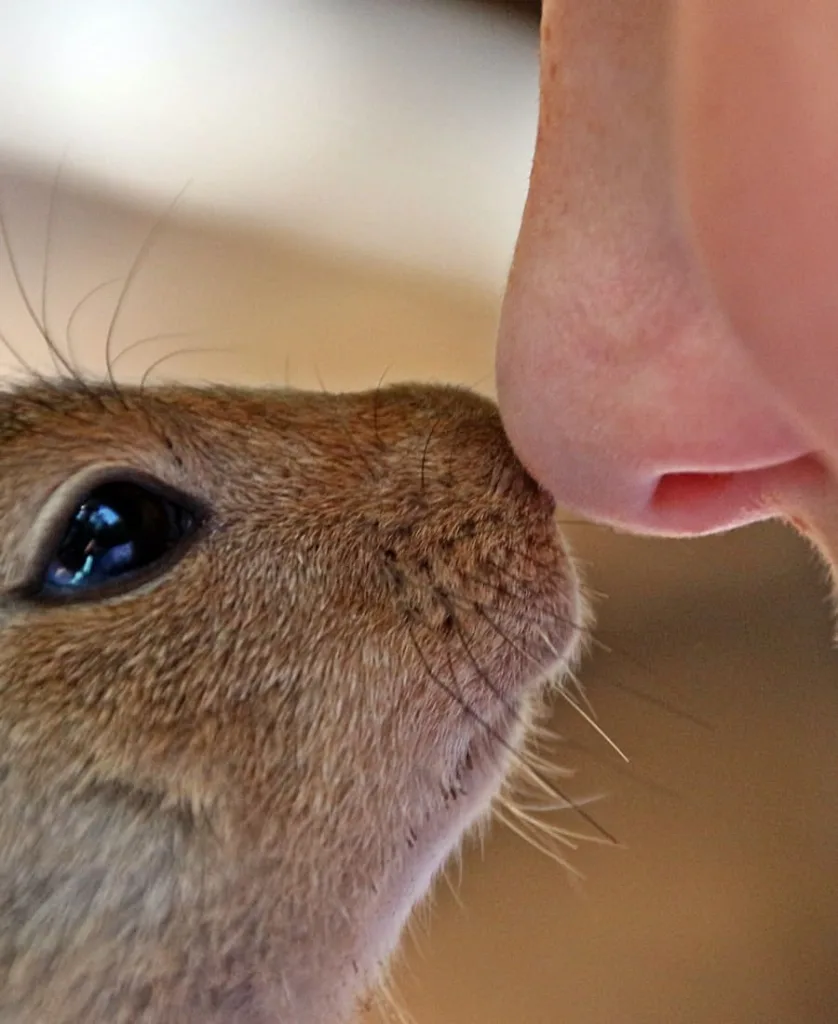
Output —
(325, 192)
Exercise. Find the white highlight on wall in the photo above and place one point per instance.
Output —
(400, 129)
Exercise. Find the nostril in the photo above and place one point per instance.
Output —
(676, 489)
(706, 502)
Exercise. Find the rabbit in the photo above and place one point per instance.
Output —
(266, 656)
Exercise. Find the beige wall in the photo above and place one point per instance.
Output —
(722, 906)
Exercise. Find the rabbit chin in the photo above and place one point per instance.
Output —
(484, 758)
(482, 764)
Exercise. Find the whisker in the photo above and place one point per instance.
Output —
(148, 339)
(591, 721)
(567, 837)
(534, 761)
(517, 755)
(484, 676)
(631, 658)
(547, 767)
(376, 396)
(650, 698)
(456, 697)
(509, 707)
(569, 840)
(481, 611)
(536, 843)
(48, 252)
(569, 674)
(524, 593)
(172, 355)
(589, 718)
(553, 806)
(71, 320)
(128, 280)
(623, 770)
(36, 375)
(371, 470)
(452, 888)
(320, 380)
(425, 454)
(25, 366)
(593, 636)
(390, 1002)
(59, 359)
(523, 590)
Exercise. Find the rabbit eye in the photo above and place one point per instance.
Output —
(117, 534)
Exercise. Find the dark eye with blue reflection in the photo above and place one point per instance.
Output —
(117, 534)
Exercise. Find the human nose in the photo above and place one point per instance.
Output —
(620, 383)
(643, 414)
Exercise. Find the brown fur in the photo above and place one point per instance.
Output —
(223, 791)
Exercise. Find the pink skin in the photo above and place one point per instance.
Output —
(668, 353)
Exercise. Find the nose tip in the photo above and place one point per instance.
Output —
(461, 441)
(673, 448)
(469, 426)
(643, 498)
